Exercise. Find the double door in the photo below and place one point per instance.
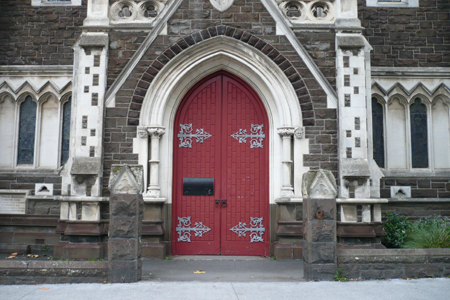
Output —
(221, 176)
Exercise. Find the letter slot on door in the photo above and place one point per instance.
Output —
(198, 186)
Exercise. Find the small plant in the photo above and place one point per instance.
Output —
(92, 259)
(396, 228)
(340, 276)
(429, 232)
(168, 258)
(272, 258)
(44, 249)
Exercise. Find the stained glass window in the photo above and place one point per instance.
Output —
(377, 132)
(419, 135)
(27, 130)
(65, 131)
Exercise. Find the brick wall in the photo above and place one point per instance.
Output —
(248, 21)
(408, 37)
(38, 35)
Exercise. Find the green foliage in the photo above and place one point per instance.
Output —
(429, 232)
(396, 228)
(272, 258)
(340, 276)
(44, 249)
(168, 258)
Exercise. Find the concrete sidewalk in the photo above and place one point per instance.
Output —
(436, 289)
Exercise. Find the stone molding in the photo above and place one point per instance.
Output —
(286, 131)
(156, 132)
(194, 39)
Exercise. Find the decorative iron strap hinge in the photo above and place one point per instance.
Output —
(185, 135)
(257, 136)
(256, 229)
(184, 230)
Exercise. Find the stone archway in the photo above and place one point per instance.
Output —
(287, 144)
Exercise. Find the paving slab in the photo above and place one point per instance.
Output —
(222, 269)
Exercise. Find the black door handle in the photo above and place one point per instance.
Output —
(223, 203)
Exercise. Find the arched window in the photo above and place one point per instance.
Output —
(65, 139)
(378, 132)
(27, 131)
(419, 135)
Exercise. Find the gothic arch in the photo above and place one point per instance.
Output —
(167, 87)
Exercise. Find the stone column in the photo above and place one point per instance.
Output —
(286, 133)
(155, 134)
(319, 225)
(125, 223)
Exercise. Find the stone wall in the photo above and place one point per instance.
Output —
(40, 272)
(423, 187)
(38, 35)
(27, 181)
(247, 21)
(394, 263)
(408, 37)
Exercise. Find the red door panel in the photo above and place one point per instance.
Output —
(232, 125)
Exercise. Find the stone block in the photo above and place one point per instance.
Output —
(312, 206)
(372, 274)
(424, 270)
(282, 251)
(315, 253)
(124, 271)
(124, 204)
(319, 231)
(314, 272)
(124, 249)
(153, 250)
(124, 227)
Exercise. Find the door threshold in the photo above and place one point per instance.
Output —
(219, 257)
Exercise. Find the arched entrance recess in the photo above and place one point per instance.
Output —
(221, 170)
(157, 118)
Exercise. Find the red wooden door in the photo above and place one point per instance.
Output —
(221, 141)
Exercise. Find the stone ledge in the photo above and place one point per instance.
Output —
(394, 263)
(37, 272)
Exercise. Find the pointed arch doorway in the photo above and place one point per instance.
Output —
(221, 175)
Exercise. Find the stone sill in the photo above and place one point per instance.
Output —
(361, 200)
(81, 199)
(419, 200)
(287, 200)
(362, 256)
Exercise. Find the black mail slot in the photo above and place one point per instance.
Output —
(198, 186)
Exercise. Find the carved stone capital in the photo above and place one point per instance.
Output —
(142, 132)
(299, 132)
(286, 131)
(156, 132)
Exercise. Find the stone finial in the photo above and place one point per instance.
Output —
(319, 184)
(126, 179)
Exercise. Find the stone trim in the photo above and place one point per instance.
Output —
(216, 31)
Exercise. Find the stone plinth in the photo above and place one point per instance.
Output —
(319, 238)
(125, 224)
